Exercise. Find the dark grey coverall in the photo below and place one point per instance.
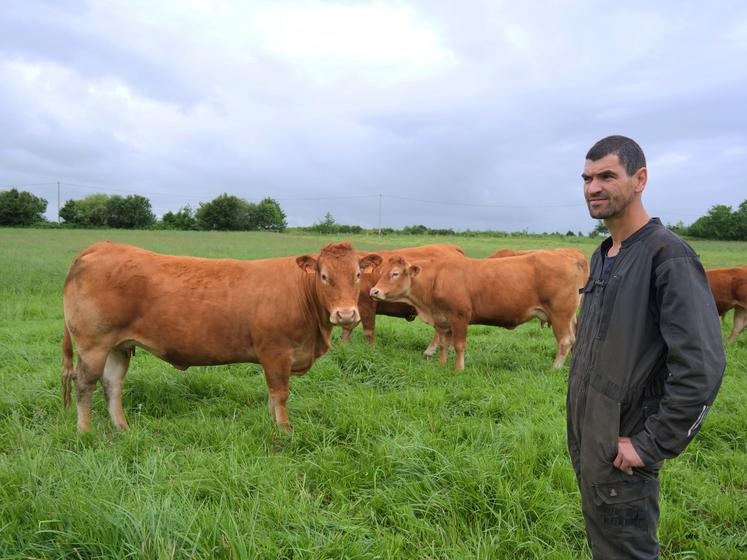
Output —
(648, 363)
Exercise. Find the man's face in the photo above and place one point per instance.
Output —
(608, 188)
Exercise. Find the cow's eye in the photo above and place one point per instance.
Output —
(395, 273)
(358, 276)
(324, 277)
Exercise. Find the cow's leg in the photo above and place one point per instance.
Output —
(740, 322)
(563, 328)
(445, 342)
(367, 311)
(431, 350)
(90, 369)
(277, 374)
(368, 323)
(346, 330)
(459, 339)
(114, 372)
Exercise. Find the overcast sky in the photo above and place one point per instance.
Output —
(468, 115)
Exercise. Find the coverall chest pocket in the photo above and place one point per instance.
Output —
(607, 297)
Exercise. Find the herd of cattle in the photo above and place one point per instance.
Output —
(280, 312)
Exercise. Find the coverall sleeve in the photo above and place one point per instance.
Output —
(689, 324)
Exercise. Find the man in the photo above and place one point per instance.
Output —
(648, 360)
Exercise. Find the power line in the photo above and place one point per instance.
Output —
(380, 196)
(91, 187)
(128, 191)
(14, 186)
(474, 205)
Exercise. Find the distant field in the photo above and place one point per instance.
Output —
(391, 456)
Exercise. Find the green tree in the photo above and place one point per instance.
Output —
(415, 230)
(740, 219)
(130, 212)
(87, 212)
(327, 225)
(267, 215)
(599, 229)
(70, 212)
(225, 213)
(183, 219)
(719, 223)
(21, 208)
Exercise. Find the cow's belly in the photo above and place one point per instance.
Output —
(203, 343)
(183, 356)
(507, 320)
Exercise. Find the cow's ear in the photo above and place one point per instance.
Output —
(307, 263)
(370, 261)
(414, 270)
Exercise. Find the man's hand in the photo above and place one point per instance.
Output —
(627, 456)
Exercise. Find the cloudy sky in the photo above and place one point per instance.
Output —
(469, 115)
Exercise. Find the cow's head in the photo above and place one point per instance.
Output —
(338, 272)
(395, 281)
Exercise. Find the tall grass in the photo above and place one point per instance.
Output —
(391, 456)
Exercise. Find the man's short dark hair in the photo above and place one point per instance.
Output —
(627, 150)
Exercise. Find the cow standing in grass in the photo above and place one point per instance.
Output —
(192, 311)
(454, 292)
(729, 289)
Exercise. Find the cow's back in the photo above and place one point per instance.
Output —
(505, 291)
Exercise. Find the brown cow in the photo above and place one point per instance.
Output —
(191, 311)
(578, 256)
(369, 307)
(504, 292)
(729, 288)
(571, 257)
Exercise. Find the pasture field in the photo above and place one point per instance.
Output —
(391, 456)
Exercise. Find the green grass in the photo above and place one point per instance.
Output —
(391, 456)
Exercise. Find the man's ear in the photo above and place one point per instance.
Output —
(641, 177)
(370, 261)
(307, 263)
(414, 270)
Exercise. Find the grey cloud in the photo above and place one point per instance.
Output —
(495, 141)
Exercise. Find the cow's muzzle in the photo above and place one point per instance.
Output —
(345, 316)
(377, 294)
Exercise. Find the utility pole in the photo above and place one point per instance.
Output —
(379, 214)
(58, 202)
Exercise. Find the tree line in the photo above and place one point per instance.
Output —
(231, 213)
(224, 213)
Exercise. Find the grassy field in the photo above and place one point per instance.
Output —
(391, 456)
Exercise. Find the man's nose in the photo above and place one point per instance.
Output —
(593, 186)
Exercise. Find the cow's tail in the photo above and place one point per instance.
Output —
(68, 373)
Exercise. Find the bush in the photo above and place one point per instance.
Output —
(267, 216)
(224, 213)
(101, 210)
(183, 219)
(21, 208)
(722, 223)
